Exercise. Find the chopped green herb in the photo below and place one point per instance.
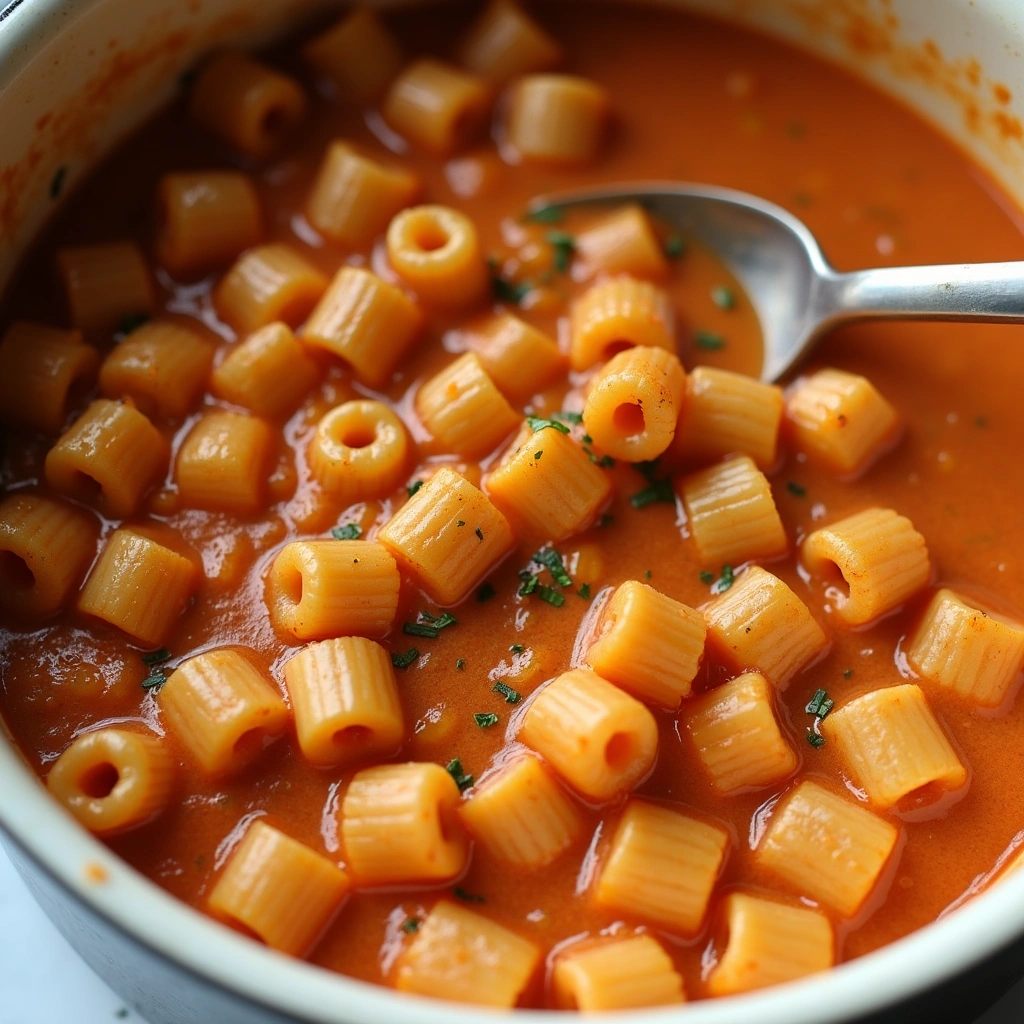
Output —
(565, 248)
(479, 533)
(605, 521)
(725, 581)
(156, 657)
(442, 621)
(486, 719)
(815, 740)
(723, 297)
(154, 680)
(848, 673)
(535, 423)
(131, 322)
(647, 574)
(461, 522)
(418, 629)
(485, 593)
(797, 490)
(529, 584)
(460, 664)
(584, 591)
(537, 456)
(414, 487)
(57, 181)
(517, 648)
(411, 925)
(587, 439)
(675, 247)
(509, 291)
(552, 561)
(659, 492)
(404, 660)
(467, 897)
(462, 780)
(602, 461)
(429, 626)
(350, 531)
(552, 596)
(708, 341)
(575, 418)
(707, 577)
(511, 696)
(544, 215)
(820, 705)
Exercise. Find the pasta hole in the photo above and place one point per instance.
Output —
(98, 782)
(290, 581)
(613, 348)
(249, 744)
(628, 419)
(15, 573)
(620, 751)
(86, 488)
(274, 122)
(429, 237)
(836, 587)
(353, 737)
(357, 437)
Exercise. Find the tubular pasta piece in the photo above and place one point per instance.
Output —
(504, 43)
(622, 242)
(520, 359)
(104, 284)
(557, 119)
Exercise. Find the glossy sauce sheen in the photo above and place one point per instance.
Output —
(876, 186)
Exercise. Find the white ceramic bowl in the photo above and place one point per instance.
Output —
(75, 77)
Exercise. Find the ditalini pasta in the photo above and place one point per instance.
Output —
(505, 43)
(105, 285)
(624, 242)
(557, 119)
(520, 359)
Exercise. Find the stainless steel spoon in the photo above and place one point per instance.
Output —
(795, 292)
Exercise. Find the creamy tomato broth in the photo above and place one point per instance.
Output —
(693, 100)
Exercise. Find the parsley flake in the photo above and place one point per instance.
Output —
(156, 657)
(552, 561)
(544, 215)
(401, 661)
(820, 705)
(511, 696)
(564, 246)
(467, 897)
(658, 492)
(552, 596)
(460, 664)
(725, 581)
(707, 577)
(414, 487)
(817, 741)
(536, 423)
(575, 418)
(154, 680)
(709, 341)
(848, 673)
(350, 531)
(675, 247)
(584, 591)
(479, 533)
(723, 297)
(529, 583)
(486, 719)
(537, 455)
(57, 181)
(429, 626)
(485, 592)
(509, 291)
(411, 925)
(462, 780)
(797, 490)
(517, 648)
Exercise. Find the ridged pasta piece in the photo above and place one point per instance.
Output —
(548, 486)
(435, 106)
(826, 847)
(521, 815)
(279, 890)
(327, 588)
(599, 739)
(206, 218)
(520, 359)
(223, 463)
(737, 736)
(505, 43)
(245, 103)
(268, 283)
(359, 451)
(139, 585)
(873, 561)
(357, 54)
(648, 644)
(42, 372)
(354, 198)
(725, 413)
(464, 411)
(399, 825)
(464, 957)
(731, 513)
(622, 242)
(365, 321)
(662, 867)
(222, 710)
(759, 623)
(269, 373)
(893, 746)
(448, 537)
(110, 457)
(46, 547)
(618, 314)
(966, 649)
(633, 403)
(162, 367)
(436, 251)
(840, 420)
(770, 943)
(616, 974)
(345, 701)
(557, 119)
(104, 284)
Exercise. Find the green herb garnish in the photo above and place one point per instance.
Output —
(404, 660)
(552, 561)
(707, 577)
(659, 492)
(429, 626)
(537, 456)
(485, 592)
(820, 705)
(675, 247)
(564, 246)
(517, 648)
(584, 591)
(462, 780)
(57, 181)
(414, 487)
(479, 533)
(529, 583)
(708, 341)
(575, 418)
(723, 297)
(549, 594)
(350, 531)
(797, 490)
(509, 291)
(544, 215)
(411, 925)
(815, 740)
(511, 696)
(486, 719)
(156, 657)
(460, 664)
(535, 423)
(848, 673)
(154, 680)
(467, 897)
(725, 581)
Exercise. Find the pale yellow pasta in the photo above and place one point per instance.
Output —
(872, 562)
(616, 974)
(205, 219)
(548, 486)
(770, 943)
(162, 367)
(599, 739)
(557, 119)
(326, 588)
(359, 451)
(46, 547)
(436, 251)
(971, 651)
(399, 825)
(521, 815)
(520, 359)
(345, 701)
(435, 106)
(464, 411)
(110, 457)
(633, 403)
(617, 314)
(504, 43)
(279, 890)
(840, 420)
(113, 780)
(648, 644)
(104, 285)
(448, 537)
(245, 103)
(366, 322)
(139, 585)
(725, 413)
(268, 283)
(223, 463)
(737, 735)
(354, 198)
(759, 623)
(43, 371)
(622, 242)
(357, 54)
(269, 373)
(222, 710)
(826, 847)
(731, 513)
(662, 867)
(464, 957)
(893, 746)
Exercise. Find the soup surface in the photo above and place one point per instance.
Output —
(693, 100)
